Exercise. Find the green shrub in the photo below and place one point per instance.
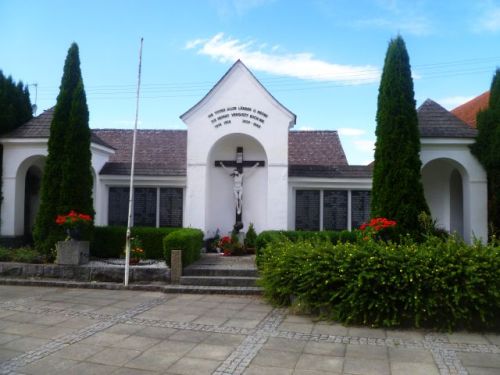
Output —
(21, 255)
(250, 237)
(269, 236)
(26, 255)
(5, 254)
(189, 240)
(109, 242)
(439, 283)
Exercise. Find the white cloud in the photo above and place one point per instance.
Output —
(298, 65)
(305, 128)
(451, 102)
(489, 20)
(350, 132)
(364, 145)
(419, 25)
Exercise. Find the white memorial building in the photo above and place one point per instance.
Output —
(291, 179)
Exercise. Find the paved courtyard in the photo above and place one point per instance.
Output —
(86, 331)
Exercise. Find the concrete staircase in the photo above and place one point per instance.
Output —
(216, 274)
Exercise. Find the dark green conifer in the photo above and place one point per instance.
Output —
(398, 193)
(487, 150)
(67, 180)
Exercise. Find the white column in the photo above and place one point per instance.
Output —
(9, 207)
(476, 211)
(196, 193)
(277, 197)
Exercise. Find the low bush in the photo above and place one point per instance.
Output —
(438, 283)
(21, 255)
(189, 240)
(270, 236)
(109, 242)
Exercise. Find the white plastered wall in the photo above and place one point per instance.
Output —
(440, 156)
(18, 156)
(238, 88)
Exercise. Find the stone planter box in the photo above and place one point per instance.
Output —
(72, 252)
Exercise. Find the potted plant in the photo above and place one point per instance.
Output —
(74, 224)
(226, 245)
(73, 251)
(250, 240)
(136, 250)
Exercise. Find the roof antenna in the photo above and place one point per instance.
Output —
(132, 168)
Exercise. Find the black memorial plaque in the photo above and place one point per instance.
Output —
(171, 207)
(145, 207)
(118, 206)
(335, 209)
(307, 210)
(360, 207)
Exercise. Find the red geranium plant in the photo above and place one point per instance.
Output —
(376, 227)
(73, 222)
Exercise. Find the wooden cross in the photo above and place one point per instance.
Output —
(238, 166)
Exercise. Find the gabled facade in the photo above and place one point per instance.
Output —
(302, 180)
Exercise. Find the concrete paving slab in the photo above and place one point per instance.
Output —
(136, 332)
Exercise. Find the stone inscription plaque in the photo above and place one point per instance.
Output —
(335, 209)
(237, 114)
(307, 210)
(360, 207)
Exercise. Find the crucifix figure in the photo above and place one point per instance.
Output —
(238, 174)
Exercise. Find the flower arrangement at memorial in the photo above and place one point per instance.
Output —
(230, 245)
(73, 222)
(136, 250)
(377, 228)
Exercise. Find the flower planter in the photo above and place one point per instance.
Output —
(72, 252)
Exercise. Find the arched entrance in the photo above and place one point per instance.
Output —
(31, 199)
(220, 201)
(445, 189)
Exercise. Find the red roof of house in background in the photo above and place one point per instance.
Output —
(467, 112)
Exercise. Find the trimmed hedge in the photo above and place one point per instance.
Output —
(444, 284)
(268, 236)
(189, 240)
(109, 242)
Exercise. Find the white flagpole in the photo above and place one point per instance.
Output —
(132, 169)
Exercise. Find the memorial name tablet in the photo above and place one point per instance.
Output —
(118, 206)
(145, 207)
(307, 210)
(171, 207)
(360, 207)
(335, 209)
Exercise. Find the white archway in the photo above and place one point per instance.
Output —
(446, 188)
(30, 167)
(220, 203)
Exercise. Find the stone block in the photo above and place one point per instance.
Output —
(176, 266)
(72, 252)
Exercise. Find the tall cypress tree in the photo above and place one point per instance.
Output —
(487, 150)
(67, 180)
(398, 193)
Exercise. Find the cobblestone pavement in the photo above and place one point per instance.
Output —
(87, 331)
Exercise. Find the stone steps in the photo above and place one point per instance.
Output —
(199, 289)
(218, 280)
(219, 272)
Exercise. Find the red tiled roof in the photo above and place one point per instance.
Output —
(321, 147)
(467, 112)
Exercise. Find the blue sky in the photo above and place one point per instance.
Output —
(322, 59)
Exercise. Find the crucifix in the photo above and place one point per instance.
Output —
(238, 174)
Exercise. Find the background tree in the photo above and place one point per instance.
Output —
(15, 110)
(67, 178)
(397, 192)
(487, 150)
